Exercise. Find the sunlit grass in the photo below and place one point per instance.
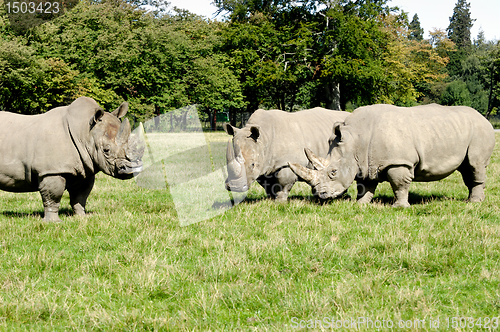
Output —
(130, 266)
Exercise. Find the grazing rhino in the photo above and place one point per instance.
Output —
(262, 149)
(387, 143)
(63, 149)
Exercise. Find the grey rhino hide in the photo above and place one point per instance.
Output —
(63, 149)
(262, 149)
(387, 143)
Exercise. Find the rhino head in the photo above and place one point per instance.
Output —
(116, 152)
(332, 176)
(244, 157)
(104, 143)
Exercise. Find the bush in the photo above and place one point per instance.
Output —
(456, 94)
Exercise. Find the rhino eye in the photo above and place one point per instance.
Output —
(106, 149)
(332, 173)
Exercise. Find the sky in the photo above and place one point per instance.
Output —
(431, 13)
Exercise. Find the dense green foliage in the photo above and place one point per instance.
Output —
(416, 31)
(271, 54)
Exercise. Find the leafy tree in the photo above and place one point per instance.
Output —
(252, 48)
(152, 62)
(411, 66)
(459, 32)
(460, 25)
(339, 46)
(493, 69)
(416, 31)
(30, 84)
(456, 94)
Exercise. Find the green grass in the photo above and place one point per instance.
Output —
(130, 266)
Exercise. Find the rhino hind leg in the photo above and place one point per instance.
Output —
(400, 178)
(474, 177)
(51, 189)
(78, 194)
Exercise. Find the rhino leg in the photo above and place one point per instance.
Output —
(278, 184)
(474, 177)
(286, 180)
(52, 188)
(78, 194)
(267, 182)
(366, 190)
(400, 178)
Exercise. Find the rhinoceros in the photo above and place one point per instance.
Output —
(396, 144)
(63, 149)
(261, 150)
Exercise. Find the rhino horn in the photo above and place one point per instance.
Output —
(318, 162)
(309, 175)
(123, 132)
(230, 151)
(233, 166)
(136, 144)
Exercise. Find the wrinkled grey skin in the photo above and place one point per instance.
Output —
(63, 149)
(262, 149)
(387, 143)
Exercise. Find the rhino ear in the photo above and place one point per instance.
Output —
(339, 130)
(230, 130)
(336, 128)
(255, 130)
(121, 110)
(97, 116)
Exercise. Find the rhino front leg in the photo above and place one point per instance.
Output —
(366, 191)
(278, 184)
(400, 178)
(52, 188)
(286, 180)
(78, 194)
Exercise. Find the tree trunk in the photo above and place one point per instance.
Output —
(214, 124)
(490, 98)
(157, 117)
(232, 117)
(333, 96)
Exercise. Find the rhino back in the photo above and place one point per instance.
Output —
(287, 134)
(432, 138)
(33, 146)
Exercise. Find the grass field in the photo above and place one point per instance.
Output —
(261, 266)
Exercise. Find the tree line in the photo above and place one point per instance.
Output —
(267, 54)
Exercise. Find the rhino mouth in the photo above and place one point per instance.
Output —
(132, 168)
(236, 188)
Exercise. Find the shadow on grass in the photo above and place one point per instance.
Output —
(413, 198)
(15, 214)
(298, 198)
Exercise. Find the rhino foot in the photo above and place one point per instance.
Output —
(79, 210)
(476, 194)
(282, 198)
(476, 199)
(401, 204)
(51, 217)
